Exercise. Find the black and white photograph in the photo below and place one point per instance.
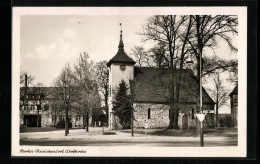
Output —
(128, 81)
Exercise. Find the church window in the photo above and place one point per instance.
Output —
(192, 113)
(149, 113)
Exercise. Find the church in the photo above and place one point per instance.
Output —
(151, 102)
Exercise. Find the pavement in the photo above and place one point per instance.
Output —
(95, 137)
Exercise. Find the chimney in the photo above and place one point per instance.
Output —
(26, 80)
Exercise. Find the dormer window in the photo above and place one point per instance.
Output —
(31, 107)
(26, 107)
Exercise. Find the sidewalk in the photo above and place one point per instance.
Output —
(95, 134)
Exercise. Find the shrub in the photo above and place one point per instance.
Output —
(226, 121)
(61, 124)
(109, 133)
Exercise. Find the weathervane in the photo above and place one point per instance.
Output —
(121, 28)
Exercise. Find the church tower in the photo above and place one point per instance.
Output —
(121, 67)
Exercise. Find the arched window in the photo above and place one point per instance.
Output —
(149, 113)
(192, 113)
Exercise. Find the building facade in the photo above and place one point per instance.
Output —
(234, 104)
(151, 93)
(43, 110)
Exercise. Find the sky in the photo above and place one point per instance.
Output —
(48, 42)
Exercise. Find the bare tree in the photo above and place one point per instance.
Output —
(219, 93)
(84, 76)
(159, 55)
(66, 90)
(87, 104)
(171, 32)
(205, 33)
(139, 55)
(102, 73)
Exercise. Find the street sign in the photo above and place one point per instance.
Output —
(201, 116)
(145, 126)
(208, 111)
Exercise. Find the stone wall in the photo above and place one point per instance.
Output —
(159, 115)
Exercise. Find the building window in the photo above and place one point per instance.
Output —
(192, 113)
(26, 107)
(53, 118)
(46, 107)
(77, 118)
(31, 107)
(149, 113)
(62, 118)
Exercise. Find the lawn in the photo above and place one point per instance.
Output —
(40, 129)
(224, 132)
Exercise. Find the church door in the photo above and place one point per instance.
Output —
(185, 122)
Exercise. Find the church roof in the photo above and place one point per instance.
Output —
(121, 56)
(235, 91)
(151, 85)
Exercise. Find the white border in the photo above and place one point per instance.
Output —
(237, 151)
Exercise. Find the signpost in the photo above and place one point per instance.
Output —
(146, 126)
(208, 111)
(201, 117)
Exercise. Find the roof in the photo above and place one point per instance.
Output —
(235, 91)
(121, 56)
(152, 85)
(46, 91)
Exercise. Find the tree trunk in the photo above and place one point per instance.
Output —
(132, 122)
(84, 122)
(55, 115)
(198, 100)
(66, 122)
(106, 106)
(198, 95)
(38, 113)
(176, 116)
(171, 114)
(87, 122)
(217, 112)
(172, 101)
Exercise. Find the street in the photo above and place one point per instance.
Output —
(79, 137)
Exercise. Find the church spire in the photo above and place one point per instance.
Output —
(121, 44)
